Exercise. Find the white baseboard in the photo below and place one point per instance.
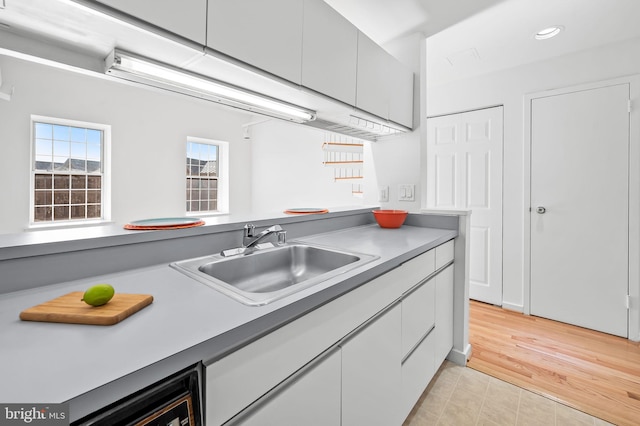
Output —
(513, 307)
(459, 357)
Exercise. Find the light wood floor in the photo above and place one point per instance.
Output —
(594, 372)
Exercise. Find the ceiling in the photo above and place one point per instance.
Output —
(471, 37)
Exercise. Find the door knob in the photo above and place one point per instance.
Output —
(541, 210)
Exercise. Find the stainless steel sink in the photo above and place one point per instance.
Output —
(269, 274)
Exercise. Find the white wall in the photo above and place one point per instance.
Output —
(508, 88)
(287, 171)
(149, 131)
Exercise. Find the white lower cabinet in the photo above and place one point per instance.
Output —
(371, 380)
(310, 397)
(363, 359)
(418, 342)
(418, 368)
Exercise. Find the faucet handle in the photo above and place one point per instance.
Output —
(281, 237)
(249, 229)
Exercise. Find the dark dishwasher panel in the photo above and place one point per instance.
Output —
(174, 401)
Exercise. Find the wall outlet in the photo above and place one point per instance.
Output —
(383, 194)
(406, 192)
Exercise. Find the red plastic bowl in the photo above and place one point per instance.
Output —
(390, 218)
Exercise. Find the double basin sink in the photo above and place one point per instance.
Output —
(264, 275)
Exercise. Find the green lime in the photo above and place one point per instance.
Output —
(98, 295)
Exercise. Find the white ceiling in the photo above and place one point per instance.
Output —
(472, 37)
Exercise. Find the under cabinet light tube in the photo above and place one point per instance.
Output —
(146, 71)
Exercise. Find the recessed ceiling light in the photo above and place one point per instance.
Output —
(548, 32)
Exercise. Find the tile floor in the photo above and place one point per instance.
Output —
(461, 396)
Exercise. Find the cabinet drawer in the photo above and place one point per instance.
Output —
(418, 268)
(444, 254)
(418, 315)
(309, 397)
(417, 371)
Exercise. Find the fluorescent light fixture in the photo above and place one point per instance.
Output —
(146, 71)
(548, 32)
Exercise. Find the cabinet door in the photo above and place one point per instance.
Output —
(329, 52)
(371, 375)
(444, 254)
(372, 93)
(417, 371)
(444, 314)
(400, 93)
(418, 315)
(309, 397)
(186, 18)
(265, 34)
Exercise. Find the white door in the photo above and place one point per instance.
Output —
(464, 171)
(580, 201)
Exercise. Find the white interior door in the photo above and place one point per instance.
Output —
(464, 171)
(580, 202)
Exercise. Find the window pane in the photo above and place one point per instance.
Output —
(61, 132)
(44, 148)
(78, 212)
(60, 197)
(44, 166)
(93, 211)
(94, 152)
(61, 182)
(93, 196)
(61, 148)
(61, 213)
(79, 181)
(61, 163)
(78, 197)
(79, 150)
(43, 214)
(94, 182)
(43, 131)
(94, 136)
(44, 182)
(42, 198)
(94, 166)
(78, 165)
(78, 134)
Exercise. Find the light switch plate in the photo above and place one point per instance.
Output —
(383, 194)
(406, 192)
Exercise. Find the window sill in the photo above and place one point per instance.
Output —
(67, 225)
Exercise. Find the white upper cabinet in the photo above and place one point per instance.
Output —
(265, 34)
(186, 18)
(329, 52)
(400, 94)
(384, 85)
(372, 93)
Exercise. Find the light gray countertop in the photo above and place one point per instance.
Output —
(187, 322)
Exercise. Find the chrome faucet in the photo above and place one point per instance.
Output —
(251, 241)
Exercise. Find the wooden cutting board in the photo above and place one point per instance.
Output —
(71, 309)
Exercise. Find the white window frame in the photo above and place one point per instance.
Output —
(223, 177)
(106, 174)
